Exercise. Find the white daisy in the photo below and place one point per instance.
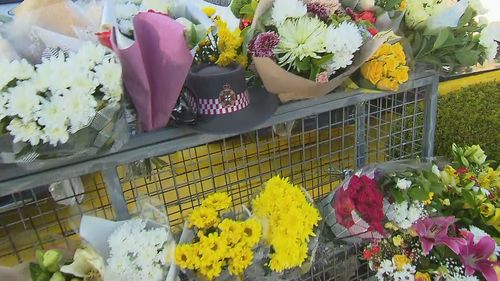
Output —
(284, 9)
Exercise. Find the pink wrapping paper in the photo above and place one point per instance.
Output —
(155, 67)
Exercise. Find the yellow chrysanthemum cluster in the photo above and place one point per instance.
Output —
(228, 44)
(291, 221)
(387, 68)
(220, 245)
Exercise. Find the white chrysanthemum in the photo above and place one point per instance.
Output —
(88, 56)
(126, 10)
(487, 40)
(23, 101)
(344, 37)
(3, 103)
(162, 6)
(300, 38)
(48, 74)
(82, 110)
(53, 113)
(55, 135)
(405, 215)
(83, 82)
(109, 74)
(25, 132)
(21, 70)
(284, 9)
(340, 60)
(403, 184)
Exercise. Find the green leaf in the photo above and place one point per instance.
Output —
(442, 37)
(247, 11)
(469, 198)
(466, 17)
(38, 274)
(247, 33)
(418, 194)
(467, 57)
(303, 65)
(314, 72)
(323, 60)
(398, 195)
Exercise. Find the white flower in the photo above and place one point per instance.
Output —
(448, 16)
(484, 191)
(55, 135)
(162, 6)
(284, 9)
(25, 132)
(126, 11)
(3, 102)
(53, 113)
(109, 74)
(460, 277)
(487, 40)
(407, 274)
(23, 101)
(83, 83)
(415, 212)
(82, 110)
(386, 267)
(5, 76)
(21, 70)
(435, 171)
(403, 184)
(300, 38)
(340, 60)
(478, 7)
(88, 56)
(416, 15)
(345, 36)
(126, 27)
(405, 215)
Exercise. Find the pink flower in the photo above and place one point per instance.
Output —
(326, 7)
(475, 256)
(263, 45)
(322, 77)
(434, 231)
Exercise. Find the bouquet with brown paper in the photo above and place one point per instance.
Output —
(307, 48)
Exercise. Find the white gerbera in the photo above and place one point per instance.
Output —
(23, 101)
(300, 38)
(284, 9)
(25, 132)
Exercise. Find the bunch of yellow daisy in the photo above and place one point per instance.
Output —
(222, 47)
(387, 68)
(219, 244)
(291, 220)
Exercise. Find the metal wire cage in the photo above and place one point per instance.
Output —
(314, 143)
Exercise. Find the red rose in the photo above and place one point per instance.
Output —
(343, 206)
(367, 255)
(373, 31)
(104, 38)
(366, 15)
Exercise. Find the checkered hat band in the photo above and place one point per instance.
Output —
(214, 107)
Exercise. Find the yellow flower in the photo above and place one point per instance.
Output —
(232, 231)
(489, 179)
(445, 202)
(241, 258)
(487, 210)
(387, 84)
(401, 74)
(400, 261)
(211, 271)
(242, 60)
(399, 52)
(203, 217)
(449, 176)
(373, 71)
(252, 231)
(384, 50)
(186, 256)
(391, 64)
(209, 11)
(218, 201)
(495, 220)
(397, 240)
(403, 5)
(419, 276)
(213, 246)
(429, 200)
(227, 57)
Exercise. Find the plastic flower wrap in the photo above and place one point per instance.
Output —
(45, 115)
(386, 69)
(448, 33)
(307, 48)
(216, 244)
(396, 192)
(473, 188)
(291, 228)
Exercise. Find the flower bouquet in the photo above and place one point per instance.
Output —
(49, 117)
(472, 190)
(393, 192)
(216, 246)
(433, 249)
(291, 231)
(448, 33)
(156, 62)
(304, 49)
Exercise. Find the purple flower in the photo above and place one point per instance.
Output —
(434, 231)
(263, 45)
(475, 256)
(319, 10)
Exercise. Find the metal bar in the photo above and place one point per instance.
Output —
(114, 188)
(430, 116)
(360, 140)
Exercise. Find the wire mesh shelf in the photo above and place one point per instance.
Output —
(314, 147)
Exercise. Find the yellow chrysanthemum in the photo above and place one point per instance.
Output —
(218, 201)
(186, 256)
(212, 247)
(252, 232)
(203, 217)
(231, 231)
(212, 270)
(242, 60)
(241, 258)
(397, 240)
(228, 43)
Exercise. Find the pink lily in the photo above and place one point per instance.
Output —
(434, 231)
(476, 256)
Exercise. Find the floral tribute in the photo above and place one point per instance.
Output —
(291, 220)
(40, 106)
(387, 68)
(221, 243)
(314, 39)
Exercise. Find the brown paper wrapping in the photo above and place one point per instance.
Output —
(289, 86)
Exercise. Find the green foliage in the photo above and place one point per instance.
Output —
(470, 116)
(466, 116)
(388, 5)
(236, 6)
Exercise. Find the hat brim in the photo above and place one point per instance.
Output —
(262, 106)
